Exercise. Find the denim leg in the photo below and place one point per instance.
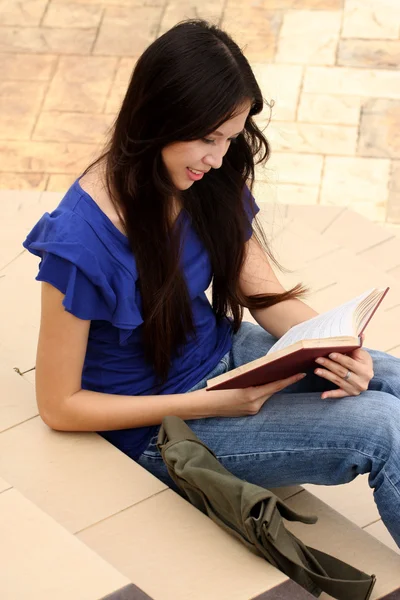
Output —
(298, 438)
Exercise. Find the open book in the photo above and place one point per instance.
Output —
(337, 330)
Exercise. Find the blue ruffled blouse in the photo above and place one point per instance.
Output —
(89, 260)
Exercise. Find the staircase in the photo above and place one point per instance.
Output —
(78, 517)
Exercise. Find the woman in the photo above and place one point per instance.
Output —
(127, 334)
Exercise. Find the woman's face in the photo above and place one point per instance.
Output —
(188, 162)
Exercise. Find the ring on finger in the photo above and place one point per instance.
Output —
(347, 376)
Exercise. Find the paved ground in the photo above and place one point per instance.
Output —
(331, 66)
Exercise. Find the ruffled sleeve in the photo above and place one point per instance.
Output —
(74, 260)
(251, 209)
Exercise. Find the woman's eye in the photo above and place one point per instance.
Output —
(208, 141)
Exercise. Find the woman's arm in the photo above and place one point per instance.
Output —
(63, 405)
(257, 277)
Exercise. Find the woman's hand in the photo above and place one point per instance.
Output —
(243, 402)
(358, 367)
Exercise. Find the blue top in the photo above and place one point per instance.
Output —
(89, 260)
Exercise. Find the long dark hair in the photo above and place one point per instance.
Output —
(184, 86)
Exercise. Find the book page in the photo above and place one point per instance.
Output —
(334, 323)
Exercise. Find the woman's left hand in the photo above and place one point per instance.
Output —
(336, 366)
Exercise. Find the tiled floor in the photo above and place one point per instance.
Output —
(329, 65)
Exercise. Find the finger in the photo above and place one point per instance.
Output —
(340, 364)
(339, 381)
(333, 366)
(280, 383)
(332, 394)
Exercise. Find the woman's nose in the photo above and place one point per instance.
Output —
(214, 159)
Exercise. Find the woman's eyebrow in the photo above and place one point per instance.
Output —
(219, 133)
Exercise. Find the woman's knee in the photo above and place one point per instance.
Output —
(249, 343)
(386, 373)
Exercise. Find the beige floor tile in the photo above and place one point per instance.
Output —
(348, 180)
(115, 98)
(395, 272)
(383, 54)
(309, 37)
(395, 351)
(329, 108)
(73, 15)
(393, 204)
(129, 3)
(352, 500)
(296, 194)
(41, 560)
(254, 30)
(287, 492)
(29, 376)
(19, 210)
(272, 218)
(178, 10)
(23, 181)
(60, 182)
(332, 280)
(27, 13)
(27, 67)
(234, 571)
(20, 102)
(352, 230)
(72, 127)
(285, 193)
(318, 218)
(51, 157)
(125, 69)
(85, 97)
(19, 332)
(46, 40)
(379, 531)
(280, 83)
(17, 398)
(380, 20)
(311, 138)
(120, 84)
(383, 331)
(4, 485)
(89, 69)
(286, 167)
(341, 538)
(115, 36)
(372, 83)
(77, 478)
(385, 255)
(81, 86)
(374, 212)
(296, 246)
(379, 127)
(300, 4)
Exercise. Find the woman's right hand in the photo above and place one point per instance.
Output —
(246, 401)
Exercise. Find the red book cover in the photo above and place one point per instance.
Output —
(300, 361)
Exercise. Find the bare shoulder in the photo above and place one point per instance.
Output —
(93, 183)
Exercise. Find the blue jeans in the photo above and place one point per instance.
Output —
(298, 438)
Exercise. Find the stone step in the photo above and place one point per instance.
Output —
(40, 560)
(110, 508)
(378, 245)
